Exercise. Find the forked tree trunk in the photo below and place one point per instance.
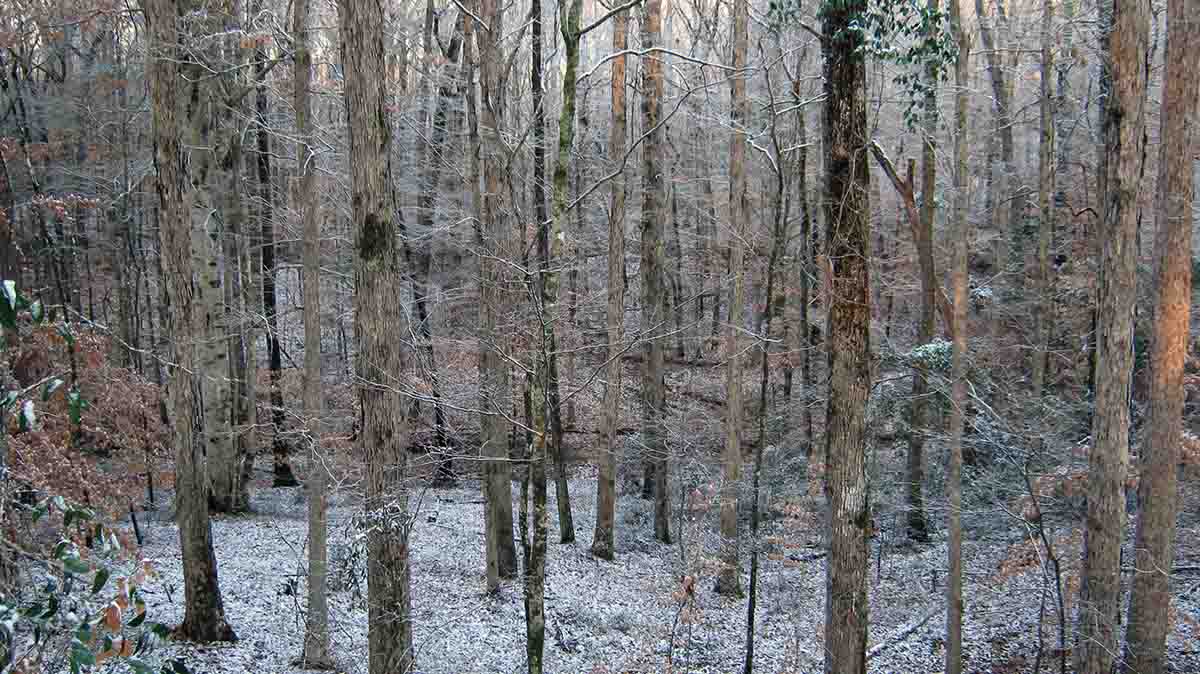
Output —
(847, 240)
(606, 488)
(204, 613)
(653, 309)
(316, 652)
(1158, 498)
(728, 579)
(378, 316)
(493, 369)
(958, 364)
(1125, 142)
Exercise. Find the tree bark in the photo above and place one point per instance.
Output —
(204, 613)
(606, 490)
(493, 370)
(281, 466)
(917, 527)
(728, 578)
(653, 309)
(847, 242)
(1046, 190)
(1158, 498)
(1125, 141)
(958, 363)
(316, 650)
(378, 318)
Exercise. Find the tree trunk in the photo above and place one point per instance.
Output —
(550, 251)
(917, 527)
(316, 651)
(281, 467)
(653, 309)
(806, 270)
(958, 364)
(378, 317)
(847, 216)
(1046, 182)
(1125, 141)
(431, 179)
(204, 613)
(606, 490)
(1009, 186)
(728, 578)
(1158, 498)
(493, 369)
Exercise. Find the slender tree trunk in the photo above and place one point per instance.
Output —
(433, 162)
(1125, 140)
(958, 364)
(728, 579)
(606, 490)
(384, 434)
(1158, 498)
(1064, 106)
(281, 467)
(806, 271)
(550, 251)
(1009, 186)
(653, 309)
(204, 613)
(493, 370)
(847, 216)
(1046, 190)
(316, 651)
(917, 527)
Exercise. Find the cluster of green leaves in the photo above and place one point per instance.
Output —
(13, 307)
(909, 33)
(87, 605)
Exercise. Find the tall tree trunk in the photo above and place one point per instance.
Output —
(779, 238)
(806, 271)
(493, 369)
(204, 613)
(728, 579)
(433, 162)
(606, 490)
(1158, 496)
(958, 362)
(1125, 141)
(917, 527)
(316, 651)
(550, 251)
(1064, 106)
(281, 467)
(653, 309)
(1046, 182)
(379, 279)
(1009, 186)
(847, 241)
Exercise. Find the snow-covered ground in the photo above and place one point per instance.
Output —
(616, 616)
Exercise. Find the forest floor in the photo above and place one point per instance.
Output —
(621, 616)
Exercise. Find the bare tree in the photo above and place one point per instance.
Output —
(653, 300)
(1047, 170)
(847, 241)
(381, 358)
(1125, 141)
(493, 370)
(204, 612)
(958, 364)
(1158, 498)
(316, 653)
(728, 579)
(606, 489)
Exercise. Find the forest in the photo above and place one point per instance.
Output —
(599, 336)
